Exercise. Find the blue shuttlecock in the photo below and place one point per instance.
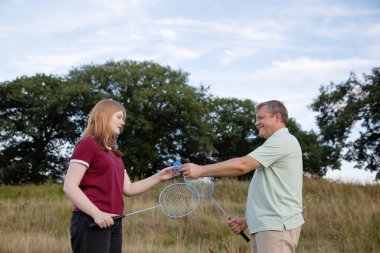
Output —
(176, 165)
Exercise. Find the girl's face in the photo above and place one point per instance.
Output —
(117, 122)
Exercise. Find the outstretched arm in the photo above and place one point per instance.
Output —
(141, 186)
(233, 167)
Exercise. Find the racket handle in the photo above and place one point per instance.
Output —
(118, 217)
(246, 238)
(114, 218)
(92, 225)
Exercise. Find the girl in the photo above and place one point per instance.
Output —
(96, 181)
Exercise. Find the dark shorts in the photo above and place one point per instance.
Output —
(94, 240)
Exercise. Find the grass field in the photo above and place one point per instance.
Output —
(339, 218)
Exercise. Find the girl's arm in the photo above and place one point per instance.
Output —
(141, 186)
(73, 178)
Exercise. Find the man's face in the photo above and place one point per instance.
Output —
(267, 123)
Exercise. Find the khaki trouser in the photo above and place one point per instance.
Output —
(276, 241)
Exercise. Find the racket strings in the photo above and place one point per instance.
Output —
(205, 188)
(203, 185)
(178, 200)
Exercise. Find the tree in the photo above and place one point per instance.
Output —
(165, 116)
(232, 123)
(42, 117)
(348, 107)
(35, 115)
(233, 129)
(316, 157)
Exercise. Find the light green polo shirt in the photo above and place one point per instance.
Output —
(275, 193)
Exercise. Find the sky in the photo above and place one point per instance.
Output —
(260, 50)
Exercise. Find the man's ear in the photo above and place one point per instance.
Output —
(278, 116)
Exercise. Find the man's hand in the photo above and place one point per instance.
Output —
(237, 224)
(191, 170)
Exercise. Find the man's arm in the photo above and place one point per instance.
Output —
(229, 168)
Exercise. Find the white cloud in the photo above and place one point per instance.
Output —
(168, 34)
(329, 10)
(348, 174)
(229, 56)
(44, 17)
(373, 30)
(176, 21)
(48, 63)
(294, 81)
(174, 52)
(316, 66)
(231, 34)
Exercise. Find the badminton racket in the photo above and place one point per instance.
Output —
(175, 201)
(205, 188)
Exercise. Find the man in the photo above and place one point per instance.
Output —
(274, 203)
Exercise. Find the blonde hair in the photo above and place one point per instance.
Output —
(98, 124)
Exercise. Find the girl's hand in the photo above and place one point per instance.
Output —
(103, 219)
(166, 173)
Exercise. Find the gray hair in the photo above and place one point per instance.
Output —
(273, 107)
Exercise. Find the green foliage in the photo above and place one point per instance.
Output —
(316, 157)
(35, 115)
(233, 126)
(165, 116)
(353, 104)
(232, 121)
(42, 117)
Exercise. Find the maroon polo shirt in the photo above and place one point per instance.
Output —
(103, 180)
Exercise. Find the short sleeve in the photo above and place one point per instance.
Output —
(84, 151)
(268, 153)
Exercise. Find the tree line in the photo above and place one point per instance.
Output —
(43, 116)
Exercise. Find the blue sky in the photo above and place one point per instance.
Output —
(259, 50)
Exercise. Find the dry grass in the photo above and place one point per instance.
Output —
(339, 218)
